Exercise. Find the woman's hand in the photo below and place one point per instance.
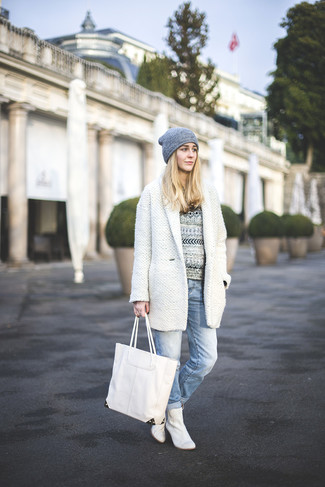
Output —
(141, 307)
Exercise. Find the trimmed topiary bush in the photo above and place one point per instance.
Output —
(298, 226)
(119, 229)
(232, 222)
(266, 225)
(284, 217)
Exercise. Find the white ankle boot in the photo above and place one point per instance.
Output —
(177, 430)
(158, 432)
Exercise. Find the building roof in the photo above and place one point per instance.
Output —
(89, 27)
(109, 46)
(88, 24)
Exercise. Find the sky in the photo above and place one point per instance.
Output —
(256, 23)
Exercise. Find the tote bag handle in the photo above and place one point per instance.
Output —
(134, 336)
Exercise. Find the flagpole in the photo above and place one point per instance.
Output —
(234, 63)
(235, 55)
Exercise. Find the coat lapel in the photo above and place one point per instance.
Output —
(175, 227)
(208, 228)
(174, 224)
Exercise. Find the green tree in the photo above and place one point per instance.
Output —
(155, 75)
(296, 97)
(195, 83)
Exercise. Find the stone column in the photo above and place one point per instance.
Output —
(254, 188)
(274, 193)
(216, 163)
(160, 127)
(29, 50)
(17, 199)
(93, 190)
(2, 100)
(149, 163)
(105, 187)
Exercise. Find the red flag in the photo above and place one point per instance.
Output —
(234, 42)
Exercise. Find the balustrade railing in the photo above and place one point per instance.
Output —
(24, 44)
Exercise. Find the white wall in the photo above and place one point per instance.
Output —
(234, 182)
(127, 170)
(46, 158)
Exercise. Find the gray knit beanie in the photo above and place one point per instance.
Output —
(175, 138)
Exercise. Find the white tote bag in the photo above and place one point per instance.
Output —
(141, 381)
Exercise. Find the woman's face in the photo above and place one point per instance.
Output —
(186, 157)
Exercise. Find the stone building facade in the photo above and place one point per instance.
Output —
(237, 107)
(124, 123)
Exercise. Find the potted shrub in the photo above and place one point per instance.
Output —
(234, 229)
(119, 233)
(297, 229)
(283, 242)
(266, 230)
(315, 242)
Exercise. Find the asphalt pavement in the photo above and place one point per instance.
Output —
(257, 419)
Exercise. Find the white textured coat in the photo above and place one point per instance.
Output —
(159, 273)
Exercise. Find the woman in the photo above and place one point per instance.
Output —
(179, 272)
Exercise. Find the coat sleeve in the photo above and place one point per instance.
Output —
(221, 240)
(142, 250)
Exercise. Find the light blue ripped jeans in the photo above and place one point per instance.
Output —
(202, 342)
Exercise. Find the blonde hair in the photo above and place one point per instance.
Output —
(180, 198)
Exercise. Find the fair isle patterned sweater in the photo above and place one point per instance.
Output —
(193, 244)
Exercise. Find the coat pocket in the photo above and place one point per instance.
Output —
(166, 283)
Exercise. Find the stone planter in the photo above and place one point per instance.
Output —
(124, 257)
(297, 247)
(232, 246)
(283, 244)
(266, 250)
(315, 242)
